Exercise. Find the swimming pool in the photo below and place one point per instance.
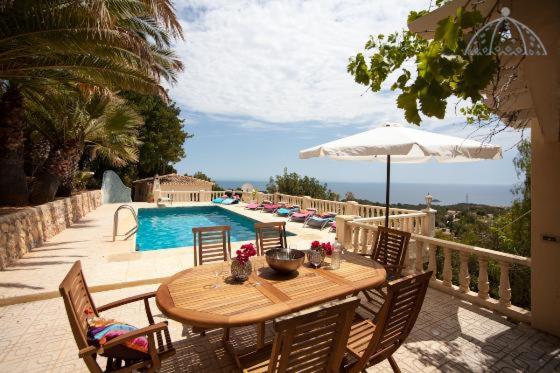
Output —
(164, 228)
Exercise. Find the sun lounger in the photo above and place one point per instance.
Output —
(302, 215)
(287, 211)
(230, 201)
(252, 206)
(320, 221)
(270, 208)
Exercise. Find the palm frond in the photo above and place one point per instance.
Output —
(114, 44)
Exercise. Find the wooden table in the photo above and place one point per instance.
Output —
(188, 296)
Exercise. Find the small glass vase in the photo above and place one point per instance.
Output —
(316, 257)
(240, 272)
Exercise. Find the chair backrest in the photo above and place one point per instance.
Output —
(270, 236)
(390, 248)
(313, 340)
(78, 302)
(211, 244)
(396, 317)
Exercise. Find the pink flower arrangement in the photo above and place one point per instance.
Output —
(245, 252)
(326, 247)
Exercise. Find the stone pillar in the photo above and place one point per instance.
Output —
(156, 189)
(343, 231)
(545, 227)
(429, 226)
(351, 208)
(306, 203)
(204, 196)
(428, 229)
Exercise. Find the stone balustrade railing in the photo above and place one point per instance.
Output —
(412, 222)
(463, 288)
(411, 219)
(181, 195)
(359, 236)
(289, 200)
(369, 211)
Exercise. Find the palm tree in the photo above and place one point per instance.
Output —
(85, 124)
(110, 44)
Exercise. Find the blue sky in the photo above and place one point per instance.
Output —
(265, 79)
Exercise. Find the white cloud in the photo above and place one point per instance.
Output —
(283, 61)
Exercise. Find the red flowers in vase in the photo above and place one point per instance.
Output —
(245, 252)
(326, 247)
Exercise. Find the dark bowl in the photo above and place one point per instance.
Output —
(285, 260)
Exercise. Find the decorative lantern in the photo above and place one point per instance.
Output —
(505, 36)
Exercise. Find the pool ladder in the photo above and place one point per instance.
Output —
(128, 234)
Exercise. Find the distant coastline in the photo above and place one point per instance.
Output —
(413, 193)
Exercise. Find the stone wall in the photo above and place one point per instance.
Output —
(22, 231)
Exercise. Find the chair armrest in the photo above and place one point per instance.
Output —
(121, 302)
(89, 350)
(146, 331)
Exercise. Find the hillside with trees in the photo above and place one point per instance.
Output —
(297, 185)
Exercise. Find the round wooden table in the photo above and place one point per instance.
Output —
(188, 296)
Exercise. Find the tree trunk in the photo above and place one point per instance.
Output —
(13, 184)
(67, 168)
(57, 174)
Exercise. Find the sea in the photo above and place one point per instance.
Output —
(411, 193)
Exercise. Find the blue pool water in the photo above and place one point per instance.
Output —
(164, 228)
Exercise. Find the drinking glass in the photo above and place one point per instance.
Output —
(257, 265)
(217, 271)
(315, 258)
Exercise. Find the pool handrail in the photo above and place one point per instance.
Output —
(116, 222)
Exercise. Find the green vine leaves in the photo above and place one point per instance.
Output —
(442, 68)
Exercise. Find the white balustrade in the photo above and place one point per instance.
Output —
(362, 235)
(181, 195)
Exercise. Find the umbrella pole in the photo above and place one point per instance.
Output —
(387, 191)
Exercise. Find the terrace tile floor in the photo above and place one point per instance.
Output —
(451, 335)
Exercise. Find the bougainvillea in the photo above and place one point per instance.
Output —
(245, 252)
(326, 247)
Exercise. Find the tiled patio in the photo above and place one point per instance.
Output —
(450, 335)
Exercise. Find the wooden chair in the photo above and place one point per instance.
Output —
(270, 236)
(389, 249)
(311, 340)
(370, 343)
(211, 244)
(77, 300)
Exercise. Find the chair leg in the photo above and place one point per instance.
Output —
(394, 364)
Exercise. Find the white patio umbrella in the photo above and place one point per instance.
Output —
(393, 142)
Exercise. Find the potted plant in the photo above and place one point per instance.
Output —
(317, 253)
(241, 265)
